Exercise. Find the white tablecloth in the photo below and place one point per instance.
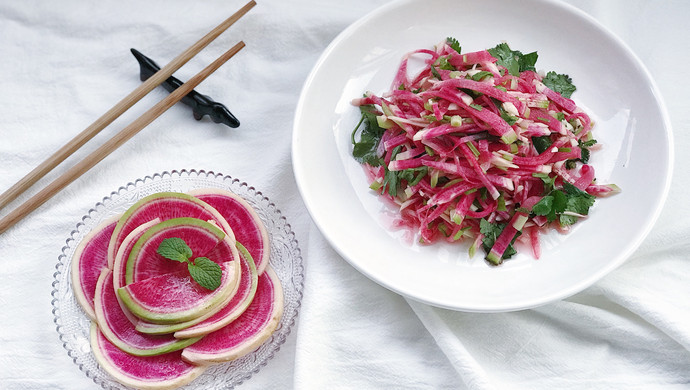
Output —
(65, 63)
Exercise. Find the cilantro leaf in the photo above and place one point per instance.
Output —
(174, 249)
(390, 182)
(413, 175)
(544, 206)
(491, 231)
(578, 201)
(513, 60)
(584, 149)
(479, 76)
(548, 181)
(454, 44)
(444, 63)
(569, 199)
(584, 153)
(364, 150)
(435, 72)
(507, 116)
(205, 272)
(541, 143)
(561, 83)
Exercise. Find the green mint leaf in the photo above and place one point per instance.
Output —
(561, 83)
(174, 249)
(454, 44)
(205, 272)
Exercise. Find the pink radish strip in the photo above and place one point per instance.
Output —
(478, 170)
(486, 89)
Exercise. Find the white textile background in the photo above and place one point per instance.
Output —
(65, 63)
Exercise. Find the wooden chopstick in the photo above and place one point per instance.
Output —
(118, 109)
(115, 142)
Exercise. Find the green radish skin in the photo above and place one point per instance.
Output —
(243, 220)
(163, 205)
(161, 372)
(231, 309)
(175, 297)
(247, 332)
(239, 303)
(119, 266)
(119, 330)
(204, 238)
(90, 257)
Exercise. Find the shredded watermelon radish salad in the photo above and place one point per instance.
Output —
(479, 146)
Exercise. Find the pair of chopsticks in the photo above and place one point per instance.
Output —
(125, 134)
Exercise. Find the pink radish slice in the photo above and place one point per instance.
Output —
(247, 332)
(175, 297)
(237, 306)
(213, 321)
(204, 238)
(165, 371)
(90, 257)
(243, 220)
(163, 205)
(119, 330)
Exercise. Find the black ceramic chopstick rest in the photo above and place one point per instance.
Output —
(201, 105)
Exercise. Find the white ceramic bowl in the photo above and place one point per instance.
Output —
(613, 86)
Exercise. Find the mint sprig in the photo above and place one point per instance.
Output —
(203, 270)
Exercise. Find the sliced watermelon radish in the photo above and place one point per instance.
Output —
(119, 266)
(247, 332)
(119, 330)
(165, 371)
(163, 205)
(204, 238)
(90, 257)
(175, 297)
(213, 321)
(243, 220)
(237, 306)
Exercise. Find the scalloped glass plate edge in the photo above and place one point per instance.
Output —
(72, 324)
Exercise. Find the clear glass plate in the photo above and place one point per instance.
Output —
(73, 325)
